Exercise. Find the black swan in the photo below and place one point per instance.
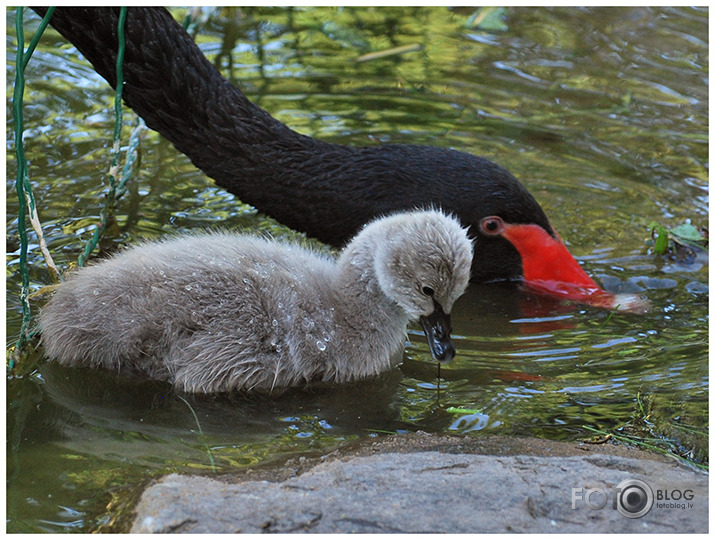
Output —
(325, 190)
(222, 312)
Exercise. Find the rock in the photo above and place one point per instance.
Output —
(434, 484)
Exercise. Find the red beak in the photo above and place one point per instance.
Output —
(550, 269)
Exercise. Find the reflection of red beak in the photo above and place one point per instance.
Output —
(550, 269)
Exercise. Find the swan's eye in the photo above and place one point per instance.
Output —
(429, 291)
(491, 226)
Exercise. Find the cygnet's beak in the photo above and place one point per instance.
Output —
(437, 328)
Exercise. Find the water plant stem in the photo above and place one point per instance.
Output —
(201, 433)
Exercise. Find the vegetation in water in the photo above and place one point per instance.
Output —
(646, 429)
(681, 241)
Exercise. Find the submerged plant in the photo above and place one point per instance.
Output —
(647, 430)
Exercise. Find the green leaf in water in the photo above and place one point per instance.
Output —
(683, 235)
(688, 233)
(660, 236)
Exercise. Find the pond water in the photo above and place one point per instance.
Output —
(602, 113)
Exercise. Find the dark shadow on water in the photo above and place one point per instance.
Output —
(105, 400)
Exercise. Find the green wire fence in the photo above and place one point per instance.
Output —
(27, 206)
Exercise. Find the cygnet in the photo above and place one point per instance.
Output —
(221, 312)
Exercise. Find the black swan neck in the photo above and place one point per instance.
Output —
(325, 190)
(180, 94)
(170, 83)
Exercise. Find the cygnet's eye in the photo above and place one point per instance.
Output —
(491, 226)
(429, 291)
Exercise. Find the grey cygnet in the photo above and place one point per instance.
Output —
(220, 312)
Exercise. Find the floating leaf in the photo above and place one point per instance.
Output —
(688, 233)
(685, 235)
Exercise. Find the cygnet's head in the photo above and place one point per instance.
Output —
(424, 265)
